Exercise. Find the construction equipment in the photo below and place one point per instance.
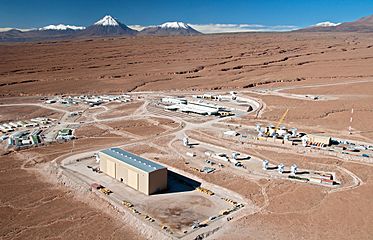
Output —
(282, 119)
(105, 191)
(127, 204)
(224, 212)
(205, 190)
(230, 201)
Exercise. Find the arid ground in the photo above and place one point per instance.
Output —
(164, 63)
(280, 70)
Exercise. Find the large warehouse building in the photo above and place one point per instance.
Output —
(139, 173)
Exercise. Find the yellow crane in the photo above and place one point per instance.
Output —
(282, 119)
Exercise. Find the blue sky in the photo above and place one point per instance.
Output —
(268, 14)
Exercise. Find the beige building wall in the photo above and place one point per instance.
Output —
(110, 165)
(133, 179)
(319, 139)
(143, 182)
(147, 183)
(122, 173)
(103, 163)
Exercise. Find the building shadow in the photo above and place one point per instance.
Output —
(272, 168)
(191, 145)
(179, 183)
(303, 172)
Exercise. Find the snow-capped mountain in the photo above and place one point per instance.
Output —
(61, 27)
(364, 24)
(174, 25)
(107, 21)
(107, 26)
(170, 28)
(327, 24)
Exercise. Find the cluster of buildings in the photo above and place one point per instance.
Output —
(25, 138)
(35, 122)
(286, 136)
(24, 133)
(283, 135)
(27, 133)
(197, 107)
(88, 99)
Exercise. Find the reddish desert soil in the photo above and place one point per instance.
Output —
(91, 131)
(164, 63)
(143, 127)
(295, 211)
(331, 116)
(32, 208)
(121, 110)
(16, 113)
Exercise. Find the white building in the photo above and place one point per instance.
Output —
(170, 100)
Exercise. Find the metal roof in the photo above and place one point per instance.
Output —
(133, 160)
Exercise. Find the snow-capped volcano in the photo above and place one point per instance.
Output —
(364, 24)
(107, 21)
(327, 24)
(61, 27)
(170, 28)
(107, 26)
(174, 25)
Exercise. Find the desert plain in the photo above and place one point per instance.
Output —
(279, 71)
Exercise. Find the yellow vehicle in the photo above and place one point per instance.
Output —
(204, 223)
(127, 204)
(224, 212)
(225, 114)
(204, 190)
(230, 201)
(106, 191)
(135, 211)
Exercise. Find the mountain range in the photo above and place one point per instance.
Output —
(364, 24)
(107, 26)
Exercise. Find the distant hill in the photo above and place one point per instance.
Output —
(170, 28)
(364, 24)
(46, 33)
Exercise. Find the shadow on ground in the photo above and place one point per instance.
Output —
(179, 183)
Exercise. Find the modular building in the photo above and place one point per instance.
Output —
(319, 139)
(139, 173)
